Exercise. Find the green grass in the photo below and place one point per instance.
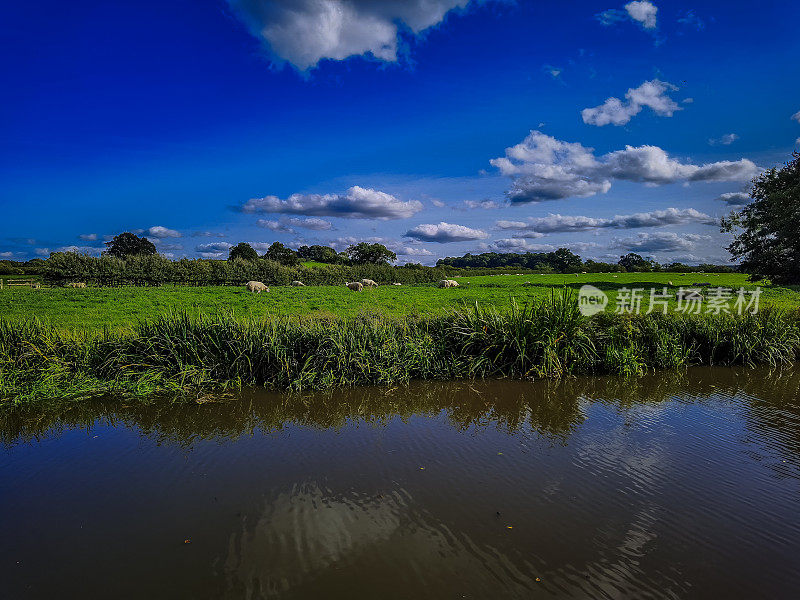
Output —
(180, 353)
(93, 309)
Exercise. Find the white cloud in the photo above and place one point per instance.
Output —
(88, 237)
(666, 241)
(159, 232)
(796, 116)
(725, 140)
(445, 232)
(355, 203)
(6, 255)
(555, 223)
(214, 249)
(643, 12)
(640, 11)
(543, 168)
(286, 224)
(437, 203)
(652, 94)
(304, 32)
(735, 198)
(94, 251)
(522, 245)
(482, 204)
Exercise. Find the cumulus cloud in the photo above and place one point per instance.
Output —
(6, 255)
(445, 232)
(555, 223)
(287, 224)
(399, 248)
(640, 11)
(158, 232)
(304, 32)
(796, 116)
(522, 245)
(88, 237)
(482, 204)
(355, 203)
(735, 198)
(659, 242)
(94, 251)
(652, 94)
(213, 250)
(725, 140)
(543, 168)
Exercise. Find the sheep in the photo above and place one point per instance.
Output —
(76, 284)
(395, 283)
(368, 283)
(671, 284)
(256, 287)
(298, 284)
(448, 283)
(356, 286)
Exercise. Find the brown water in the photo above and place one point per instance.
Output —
(671, 486)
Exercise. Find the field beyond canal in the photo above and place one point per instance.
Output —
(94, 308)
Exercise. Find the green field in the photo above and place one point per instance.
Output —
(92, 309)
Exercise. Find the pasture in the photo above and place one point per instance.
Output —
(92, 309)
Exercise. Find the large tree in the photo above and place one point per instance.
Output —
(370, 254)
(242, 250)
(769, 241)
(129, 244)
(635, 263)
(281, 254)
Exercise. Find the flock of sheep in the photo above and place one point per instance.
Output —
(356, 286)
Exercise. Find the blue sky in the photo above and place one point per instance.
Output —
(435, 126)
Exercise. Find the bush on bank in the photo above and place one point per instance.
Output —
(65, 267)
(547, 338)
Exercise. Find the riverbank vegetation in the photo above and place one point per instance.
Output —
(181, 354)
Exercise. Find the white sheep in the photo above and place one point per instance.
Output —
(256, 287)
(76, 284)
(448, 283)
(368, 283)
(298, 284)
(356, 286)
(395, 283)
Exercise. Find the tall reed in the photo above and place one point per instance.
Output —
(547, 338)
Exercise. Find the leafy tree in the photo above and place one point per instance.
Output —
(129, 244)
(769, 243)
(244, 251)
(634, 263)
(566, 261)
(318, 253)
(370, 254)
(281, 254)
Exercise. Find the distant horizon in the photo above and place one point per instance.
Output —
(435, 128)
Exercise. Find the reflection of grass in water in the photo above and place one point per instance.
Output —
(546, 338)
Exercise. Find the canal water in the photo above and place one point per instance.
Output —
(676, 485)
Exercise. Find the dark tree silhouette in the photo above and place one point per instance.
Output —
(129, 244)
(769, 242)
(242, 250)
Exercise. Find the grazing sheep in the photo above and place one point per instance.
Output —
(368, 283)
(448, 283)
(76, 284)
(671, 284)
(395, 283)
(615, 276)
(298, 284)
(256, 287)
(356, 286)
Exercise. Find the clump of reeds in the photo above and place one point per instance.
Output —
(546, 338)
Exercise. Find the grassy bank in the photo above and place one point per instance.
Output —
(546, 338)
(93, 309)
